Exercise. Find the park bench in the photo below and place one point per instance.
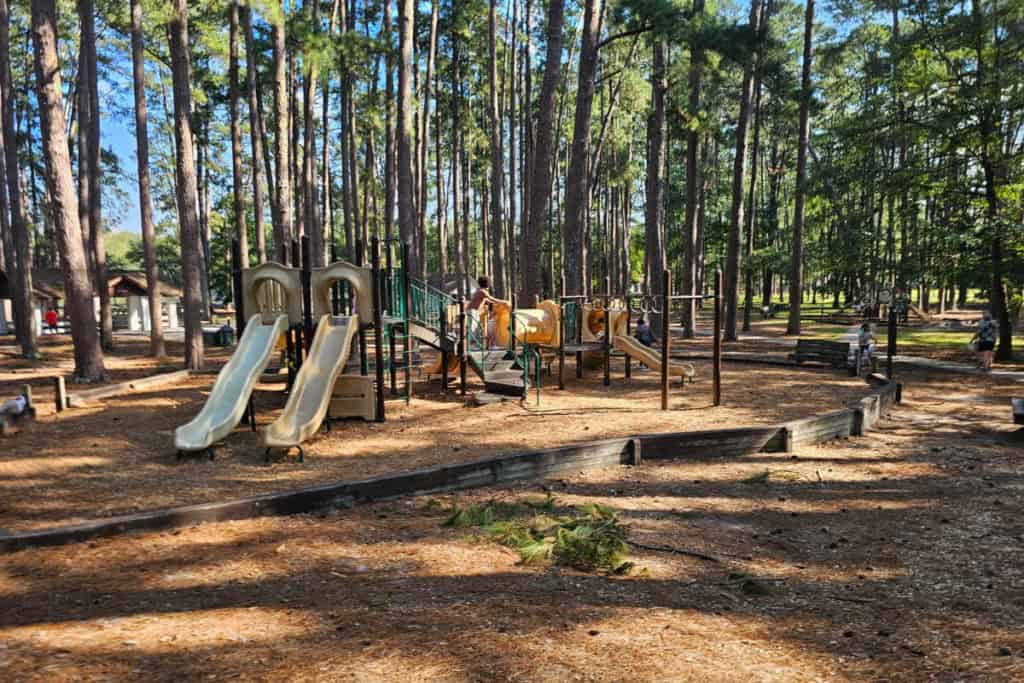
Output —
(1018, 411)
(836, 354)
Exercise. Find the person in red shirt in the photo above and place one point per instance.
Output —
(51, 320)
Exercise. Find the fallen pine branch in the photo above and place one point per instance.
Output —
(677, 551)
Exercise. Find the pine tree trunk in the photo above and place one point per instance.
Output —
(390, 129)
(796, 279)
(89, 169)
(510, 249)
(255, 135)
(577, 177)
(542, 157)
(21, 257)
(156, 331)
(406, 185)
(238, 189)
(63, 198)
(654, 201)
(310, 192)
(497, 220)
(428, 93)
(282, 138)
(694, 181)
(737, 221)
(187, 188)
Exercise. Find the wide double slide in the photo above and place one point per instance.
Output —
(235, 382)
(649, 357)
(310, 397)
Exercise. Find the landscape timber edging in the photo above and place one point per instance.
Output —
(82, 398)
(519, 466)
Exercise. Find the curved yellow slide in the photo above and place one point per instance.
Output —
(650, 357)
(226, 403)
(311, 392)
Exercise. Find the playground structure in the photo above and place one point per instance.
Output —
(351, 302)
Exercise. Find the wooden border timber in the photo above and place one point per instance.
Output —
(84, 397)
(519, 466)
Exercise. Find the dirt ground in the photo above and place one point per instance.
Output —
(118, 455)
(885, 558)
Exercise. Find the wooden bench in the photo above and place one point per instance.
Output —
(836, 354)
(1018, 411)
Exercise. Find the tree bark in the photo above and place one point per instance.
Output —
(282, 137)
(255, 135)
(542, 157)
(425, 142)
(406, 186)
(693, 184)
(63, 198)
(736, 214)
(21, 258)
(238, 189)
(156, 330)
(187, 188)
(654, 202)
(796, 279)
(89, 169)
(497, 157)
(576, 179)
(310, 194)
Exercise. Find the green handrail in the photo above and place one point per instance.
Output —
(569, 319)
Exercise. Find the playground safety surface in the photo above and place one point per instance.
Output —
(887, 557)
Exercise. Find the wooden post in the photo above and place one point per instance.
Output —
(606, 343)
(462, 345)
(444, 354)
(666, 347)
(629, 323)
(364, 360)
(579, 337)
(891, 349)
(716, 372)
(297, 263)
(378, 330)
(60, 393)
(407, 304)
(307, 293)
(236, 285)
(561, 343)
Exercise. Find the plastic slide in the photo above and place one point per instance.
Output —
(230, 394)
(311, 393)
(435, 367)
(650, 357)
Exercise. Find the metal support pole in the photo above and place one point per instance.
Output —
(716, 373)
(378, 330)
(666, 284)
(579, 337)
(298, 345)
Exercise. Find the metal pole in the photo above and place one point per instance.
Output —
(606, 343)
(666, 283)
(716, 373)
(561, 344)
(297, 263)
(443, 341)
(378, 331)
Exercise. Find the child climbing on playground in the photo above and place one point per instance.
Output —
(480, 303)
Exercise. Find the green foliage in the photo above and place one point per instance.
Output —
(591, 539)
